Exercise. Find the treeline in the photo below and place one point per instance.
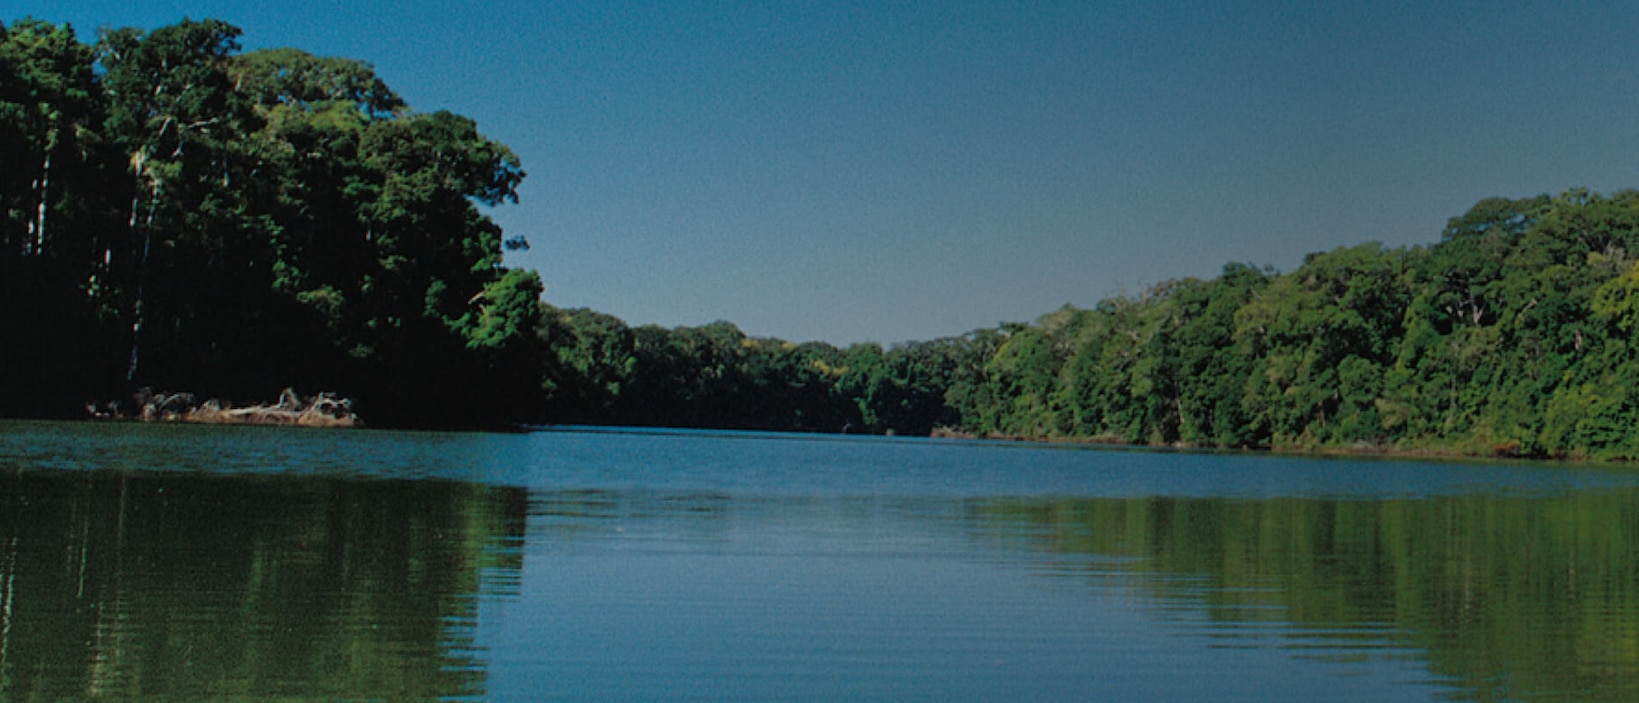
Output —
(604, 372)
(180, 215)
(1514, 335)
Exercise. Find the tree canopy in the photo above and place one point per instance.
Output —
(177, 213)
(182, 214)
(1513, 335)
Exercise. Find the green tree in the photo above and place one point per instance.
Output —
(591, 366)
(55, 223)
(242, 222)
(1211, 374)
(1340, 312)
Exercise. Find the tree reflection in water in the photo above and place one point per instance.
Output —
(194, 586)
(1506, 597)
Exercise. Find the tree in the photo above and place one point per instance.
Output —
(47, 123)
(174, 112)
(55, 222)
(1340, 311)
(243, 222)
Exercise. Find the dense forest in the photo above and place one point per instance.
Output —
(1511, 336)
(176, 213)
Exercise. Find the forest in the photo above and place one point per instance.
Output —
(179, 214)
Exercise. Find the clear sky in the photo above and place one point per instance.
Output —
(899, 170)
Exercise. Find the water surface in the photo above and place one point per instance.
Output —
(159, 563)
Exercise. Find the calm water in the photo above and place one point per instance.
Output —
(193, 563)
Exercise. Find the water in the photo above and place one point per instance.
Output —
(193, 563)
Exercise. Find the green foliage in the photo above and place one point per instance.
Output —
(1512, 335)
(1340, 313)
(197, 218)
(715, 376)
(178, 214)
(57, 208)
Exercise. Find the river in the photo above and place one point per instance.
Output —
(154, 562)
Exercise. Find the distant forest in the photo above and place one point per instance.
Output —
(178, 214)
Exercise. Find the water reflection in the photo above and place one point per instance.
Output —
(125, 584)
(265, 565)
(1507, 598)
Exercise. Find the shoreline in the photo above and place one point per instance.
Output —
(1454, 451)
(326, 410)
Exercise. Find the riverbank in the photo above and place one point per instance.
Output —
(1473, 448)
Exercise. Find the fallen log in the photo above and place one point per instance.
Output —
(322, 410)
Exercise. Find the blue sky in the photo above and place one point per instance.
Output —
(890, 171)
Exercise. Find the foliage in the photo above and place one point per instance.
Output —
(178, 214)
(1513, 335)
(188, 216)
(715, 376)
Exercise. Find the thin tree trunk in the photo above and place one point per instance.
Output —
(37, 228)
(137, 312)
(1178, 404)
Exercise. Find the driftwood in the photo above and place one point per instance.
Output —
(322, 410)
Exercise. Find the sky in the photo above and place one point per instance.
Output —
(902, 170)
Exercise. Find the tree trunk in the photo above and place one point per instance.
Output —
(42, 186)
(140, 162)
